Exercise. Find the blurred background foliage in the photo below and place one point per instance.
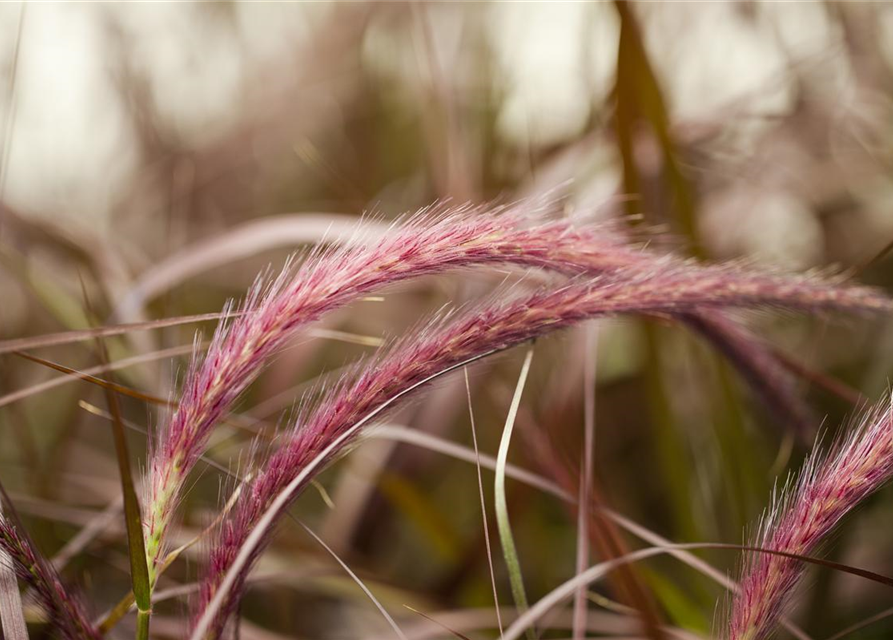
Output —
(157, 156)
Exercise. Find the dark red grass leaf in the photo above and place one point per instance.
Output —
(136, 545)
(108, 385)
(438, 623)
(828, 564)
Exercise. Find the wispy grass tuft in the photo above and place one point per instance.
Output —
(804, 513)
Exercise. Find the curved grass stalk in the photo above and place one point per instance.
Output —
(503, 524)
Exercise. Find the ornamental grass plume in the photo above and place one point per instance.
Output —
(320, 434)
(428, 243)
(828, 488)
(64, 611)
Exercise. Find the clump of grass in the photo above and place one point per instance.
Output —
(804, 514)
(607, 277)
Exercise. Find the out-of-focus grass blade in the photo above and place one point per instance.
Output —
(439, 624)
(670, 445)
(502, 516)
(55, 299)
(355, 578)
(67, 337)
(680, 607)
(417, 508)
(245, 240)
(136, 544)
(108, 385)
(741, 456)
(52, 383)
(12, 616)
(638, 95)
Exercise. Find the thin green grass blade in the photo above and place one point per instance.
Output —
(136, 544)
(504, 526)
(132, 513)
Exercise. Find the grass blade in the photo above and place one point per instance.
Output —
(580, 600)
(477, 464)
(67, 337)
(355, 578)
(136, 544)
(243, 241)
(440, 624)
(109, 385)
(71, 375)
(598, 571)
(502, 516)
(639, 97)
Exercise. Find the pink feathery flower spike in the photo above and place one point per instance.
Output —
(673, 289)
(425, 244)
(828, 488)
